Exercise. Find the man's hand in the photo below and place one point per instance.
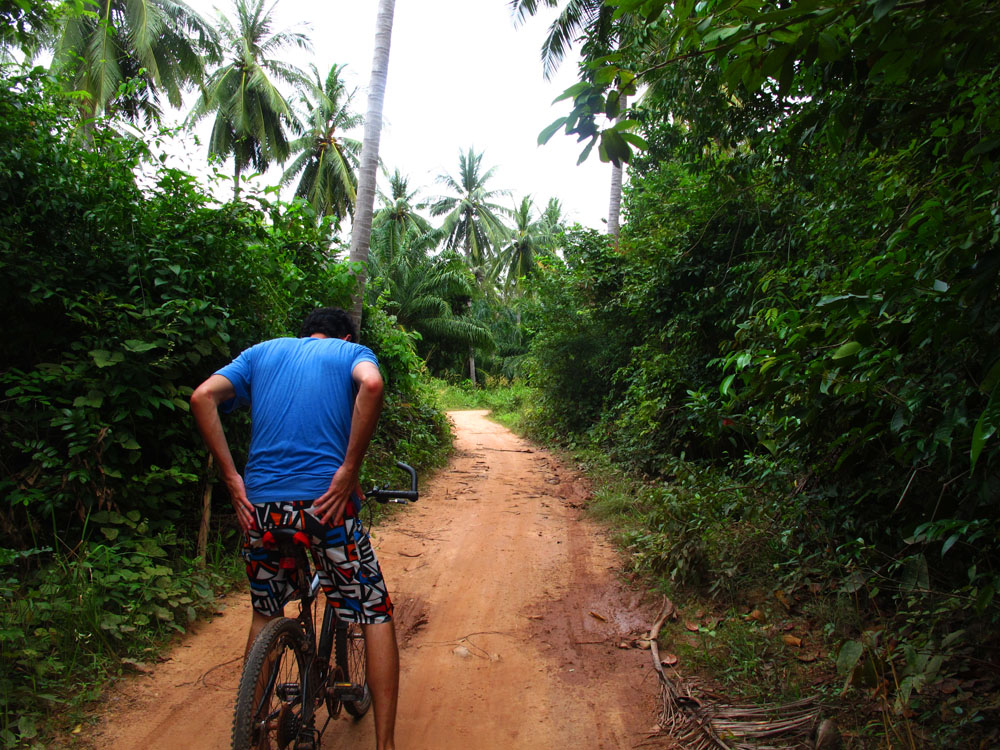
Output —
(332, 504)
(242, 505)
(205, 407)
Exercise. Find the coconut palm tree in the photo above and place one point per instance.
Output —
(515, 260)
(472, 221)
(593, 22)
(591, 17)
(327, 161)
(424, 292)
(551, 225)
(251, 114)
(398, 217)
(163, 44)
(362, 225)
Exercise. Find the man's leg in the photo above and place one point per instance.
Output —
(382, 663)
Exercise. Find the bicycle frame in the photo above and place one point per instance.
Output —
(292, 547)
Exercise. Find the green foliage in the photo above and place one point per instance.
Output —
(804, 297)
(113, 317)
(428, 295)
(119, 294)
(73, 618)
(576, 336)
(412, 428)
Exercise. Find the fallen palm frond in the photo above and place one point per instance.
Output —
(699, 725)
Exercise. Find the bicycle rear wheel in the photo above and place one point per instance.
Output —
(350, 652)
(269, 700)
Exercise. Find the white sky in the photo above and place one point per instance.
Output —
(460, 75)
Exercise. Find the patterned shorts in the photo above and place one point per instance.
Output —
(348, 570)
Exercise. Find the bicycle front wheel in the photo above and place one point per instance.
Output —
(351, 669)
(269, 701)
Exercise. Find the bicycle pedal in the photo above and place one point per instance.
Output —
(346, 691)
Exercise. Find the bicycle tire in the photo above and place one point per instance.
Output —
(269, 700)
(350, 654)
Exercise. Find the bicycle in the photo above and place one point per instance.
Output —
(288, 673)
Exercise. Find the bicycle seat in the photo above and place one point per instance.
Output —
(285, 540)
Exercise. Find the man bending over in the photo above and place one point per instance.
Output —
(314, 402)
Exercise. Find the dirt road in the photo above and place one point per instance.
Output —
(509, 614)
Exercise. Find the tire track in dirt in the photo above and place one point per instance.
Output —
(509, 612)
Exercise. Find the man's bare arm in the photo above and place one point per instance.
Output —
(205, 403)
(367, 408)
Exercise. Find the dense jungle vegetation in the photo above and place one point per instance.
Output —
(796, 337)
(785, 367)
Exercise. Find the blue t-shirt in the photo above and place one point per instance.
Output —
(301, 397)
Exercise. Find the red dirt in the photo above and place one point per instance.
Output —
(509, 612)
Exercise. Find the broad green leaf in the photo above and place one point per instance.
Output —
(93, 398)
(606, 75)
(847, 350)
(984, 146)
(991, 379)
(548, 132)
(572, 91)
(26, 727)
(882, 8)
(848, 657)
(586, 151)
(615, 147)
(110, 532)
(104, 358)
(985, 427)
(984, 598)
(721, 34)
(949, 543)
(636, 140)
(623, 125)
(136, 345)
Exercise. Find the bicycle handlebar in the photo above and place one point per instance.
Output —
(386, 495)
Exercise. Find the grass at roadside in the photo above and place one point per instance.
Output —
(506, 401)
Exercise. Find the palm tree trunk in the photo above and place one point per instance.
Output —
(615, 204)
(614, 207)
(361, 234)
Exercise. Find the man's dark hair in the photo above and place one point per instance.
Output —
(330, 321)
